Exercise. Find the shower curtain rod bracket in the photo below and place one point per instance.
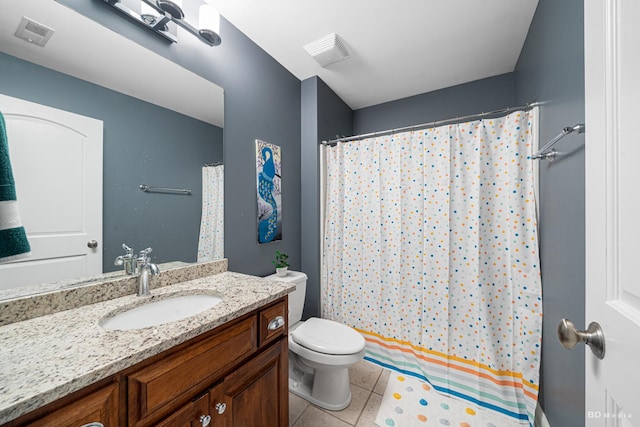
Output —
(550, 156)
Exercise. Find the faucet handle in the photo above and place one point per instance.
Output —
(128, 260)
(143, 257)
(145, 252)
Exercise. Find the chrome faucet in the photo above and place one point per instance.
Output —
(146, 268)
(128, 260)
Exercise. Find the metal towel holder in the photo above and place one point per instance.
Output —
(148, 189)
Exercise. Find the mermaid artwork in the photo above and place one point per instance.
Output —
(267, 206)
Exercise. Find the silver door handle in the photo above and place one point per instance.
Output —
(92, 244)
(569, 336)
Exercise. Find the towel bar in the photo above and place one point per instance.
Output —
(148, 189)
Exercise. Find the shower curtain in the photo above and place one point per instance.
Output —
(430, 251)
(211, 241)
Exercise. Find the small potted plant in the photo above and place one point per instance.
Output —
(281, 263)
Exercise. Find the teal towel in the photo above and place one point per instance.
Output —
(13, 238)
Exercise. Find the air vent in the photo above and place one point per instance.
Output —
(327, 50)
(34, 32)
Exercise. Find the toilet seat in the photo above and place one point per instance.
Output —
(328, 337)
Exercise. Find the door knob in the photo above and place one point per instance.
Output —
(569, 336)
(92, 244)
(205, 420)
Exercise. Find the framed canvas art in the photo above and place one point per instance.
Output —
(269, 186)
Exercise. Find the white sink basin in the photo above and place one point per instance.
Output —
(159, 312)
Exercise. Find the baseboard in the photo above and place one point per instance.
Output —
(541, 418)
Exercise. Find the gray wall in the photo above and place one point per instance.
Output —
(143, 143)
(551, 70)
(469, 98)
(324, 115)
(262, 101)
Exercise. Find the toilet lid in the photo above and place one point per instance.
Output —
(328, 337)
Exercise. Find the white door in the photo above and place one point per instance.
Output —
(56, 157)
(612, 85)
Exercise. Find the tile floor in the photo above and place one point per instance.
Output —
(368, 382)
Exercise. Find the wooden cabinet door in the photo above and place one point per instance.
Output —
(99, 406)
(193, 414)
(256, 394)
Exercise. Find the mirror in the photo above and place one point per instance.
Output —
(162, 124)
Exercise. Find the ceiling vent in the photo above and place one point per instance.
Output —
(34, 32)
(327, 50)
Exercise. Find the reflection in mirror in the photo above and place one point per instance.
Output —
(161, 124)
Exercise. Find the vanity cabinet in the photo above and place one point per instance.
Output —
(234, 375)
(249, 396)
(186, 373)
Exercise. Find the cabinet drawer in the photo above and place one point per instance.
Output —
(273, 322)
(176, 378)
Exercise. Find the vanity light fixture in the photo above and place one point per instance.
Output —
(157, 14)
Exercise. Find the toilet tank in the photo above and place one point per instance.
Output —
(296, 298)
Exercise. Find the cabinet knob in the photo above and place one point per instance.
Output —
(276, 323)
(92, 244)
(205, 420)
(93, 424)
(221, 407)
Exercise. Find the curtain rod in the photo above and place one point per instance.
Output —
(508, 110)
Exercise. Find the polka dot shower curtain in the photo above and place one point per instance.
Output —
(211, 240)
(430, 251)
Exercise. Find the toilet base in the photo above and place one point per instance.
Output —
(320, 378)
(304, 389)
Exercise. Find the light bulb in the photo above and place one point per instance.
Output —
(210, 24)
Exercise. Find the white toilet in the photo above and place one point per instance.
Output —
(321, 352)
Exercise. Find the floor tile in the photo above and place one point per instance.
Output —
(364, 374)
(314, 417)
(351, 413)
(297, 405)
(381, 385)
(370, 412)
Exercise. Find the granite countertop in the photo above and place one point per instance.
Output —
(48, 357)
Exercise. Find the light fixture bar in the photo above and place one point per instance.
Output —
(159, 25)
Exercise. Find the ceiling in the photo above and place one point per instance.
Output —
(105, 57)
(397, 48)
